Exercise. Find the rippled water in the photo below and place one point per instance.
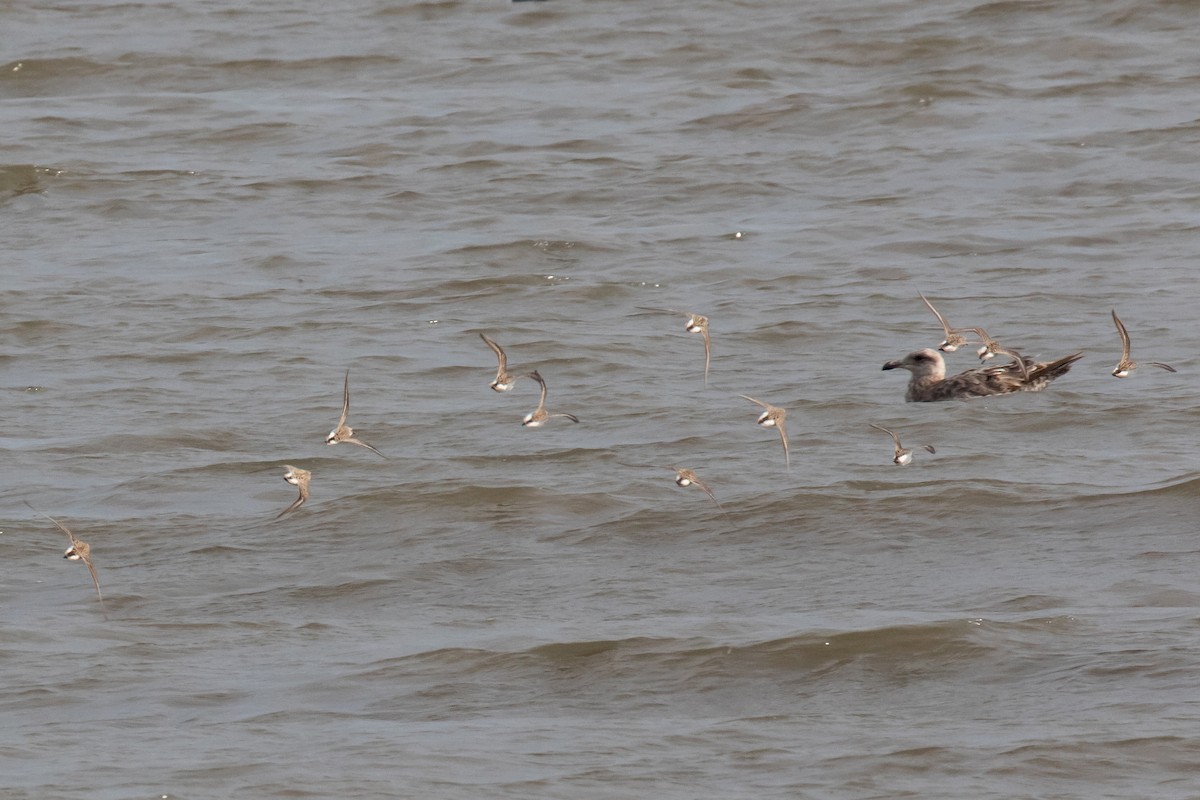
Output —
(210, 211)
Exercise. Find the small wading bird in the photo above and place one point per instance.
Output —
(990, 347)
(539, 415)
(1127, 365)
(953, 337)
(504, 379)
(903, 455)
(343, 432)
(686, 477)
(929, 382)
(299, 478)
(773, 417)
(697, 323)
(78, 551)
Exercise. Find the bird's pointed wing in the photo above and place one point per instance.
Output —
(361, 443)
(1124, 336)
(895, 438)
(345, 400)
(501, 358)
(299, 501)
(940, 318)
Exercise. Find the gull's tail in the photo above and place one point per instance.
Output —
(1045, 373)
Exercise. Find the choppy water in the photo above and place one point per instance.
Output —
(210, 211)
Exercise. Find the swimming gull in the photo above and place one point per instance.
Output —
(929, 382)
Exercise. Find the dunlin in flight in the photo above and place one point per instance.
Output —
(299, 478)
(1127, 365)
(343, 432)
(504, 379)
(953, 336)
(78, 551)
(903, 455)
(686, 477)
(990, 348)
(773, 417)
(929, 382)
(539, 415)
(697, 323)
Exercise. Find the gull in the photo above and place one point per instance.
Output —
(686, 477)
(78, 551)
(772, 417)
(299, 478)
(539, 415)
(504, 379)
(954, 338)
(929, 382)
(697, 323)
(903, 455)
(343, 432)
(1127, 365)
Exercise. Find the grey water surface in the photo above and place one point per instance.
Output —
(210, 210)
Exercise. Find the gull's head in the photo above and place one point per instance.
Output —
(332, 438)
(291, 476)
(532, 420)
(501, 386)
(1120, 372)
(922, 364)
(72, 553)
(766, 420)
(683, 480)
(695, 324)
(903, 457)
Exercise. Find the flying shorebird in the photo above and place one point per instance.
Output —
(504, 379)
(539, 415)
(299, 478)
(697, 323)
(686, 477)
(772, 417)
(953, 336)
(1127, 365)
(990, 347)
(929, 382)
(903, 454)
(343, 432)
(78, 551)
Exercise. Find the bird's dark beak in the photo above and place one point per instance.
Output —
(891, 365)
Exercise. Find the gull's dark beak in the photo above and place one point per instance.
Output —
(891, 365)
